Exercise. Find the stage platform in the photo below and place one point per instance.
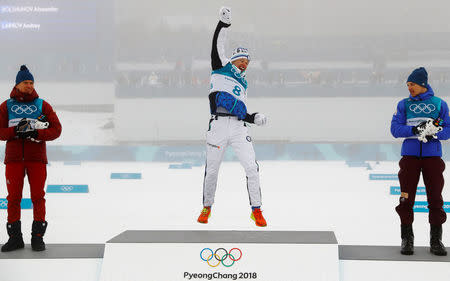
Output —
(184, 255)
(59, 262)
(306, 255)
(374, 263)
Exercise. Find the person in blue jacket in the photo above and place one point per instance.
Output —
(423, 120)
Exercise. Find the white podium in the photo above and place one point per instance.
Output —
(221, 255)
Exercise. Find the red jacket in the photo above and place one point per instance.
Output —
(26, 150)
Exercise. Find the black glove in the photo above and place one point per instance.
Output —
(22, 126)
(28, 134)
(250, 118)
(419, 128)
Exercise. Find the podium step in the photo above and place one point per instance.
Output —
(200, 236)
(374, 263)
(387, 253)
(214, 255)
(68, 262)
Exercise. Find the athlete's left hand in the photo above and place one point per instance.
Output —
(260, 119)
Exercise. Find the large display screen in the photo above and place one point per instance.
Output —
(50, 20)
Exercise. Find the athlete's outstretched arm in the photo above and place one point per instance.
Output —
(218, 58)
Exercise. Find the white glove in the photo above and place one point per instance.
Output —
(225, 15)
(260, 119)
(430, 130)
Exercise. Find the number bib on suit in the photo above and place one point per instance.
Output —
(228, 79)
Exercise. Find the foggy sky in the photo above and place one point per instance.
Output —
(300, 17)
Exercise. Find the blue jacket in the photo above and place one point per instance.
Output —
(411, 112)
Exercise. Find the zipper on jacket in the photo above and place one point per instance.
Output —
(420, 149)
(23, 150)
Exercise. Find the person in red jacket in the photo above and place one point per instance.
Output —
(26, 123)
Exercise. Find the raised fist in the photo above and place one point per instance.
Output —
(225, 15)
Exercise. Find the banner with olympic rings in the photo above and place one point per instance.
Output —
(24, 204)
(220, 256)
(67, 188)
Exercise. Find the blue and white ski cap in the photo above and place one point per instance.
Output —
(240, 53)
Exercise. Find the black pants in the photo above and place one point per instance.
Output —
(409, 174)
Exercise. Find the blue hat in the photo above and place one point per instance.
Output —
(24, 74)
(419, 76)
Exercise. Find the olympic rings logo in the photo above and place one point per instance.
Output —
(24, 109)
(421, 107)
(67, 188)
(3, 203)
(221, 256)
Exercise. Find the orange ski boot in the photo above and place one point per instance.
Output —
(204, 215)
(258, 217)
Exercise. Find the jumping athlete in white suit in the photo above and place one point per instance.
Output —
(227, 126)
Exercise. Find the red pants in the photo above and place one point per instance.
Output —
(409, 174)
(15, 174)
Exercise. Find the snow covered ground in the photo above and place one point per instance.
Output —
(82, 128)
(297, 195)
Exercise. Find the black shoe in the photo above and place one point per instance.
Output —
(407, 239)
(436, 246)
(37, 235)
(15, 240)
